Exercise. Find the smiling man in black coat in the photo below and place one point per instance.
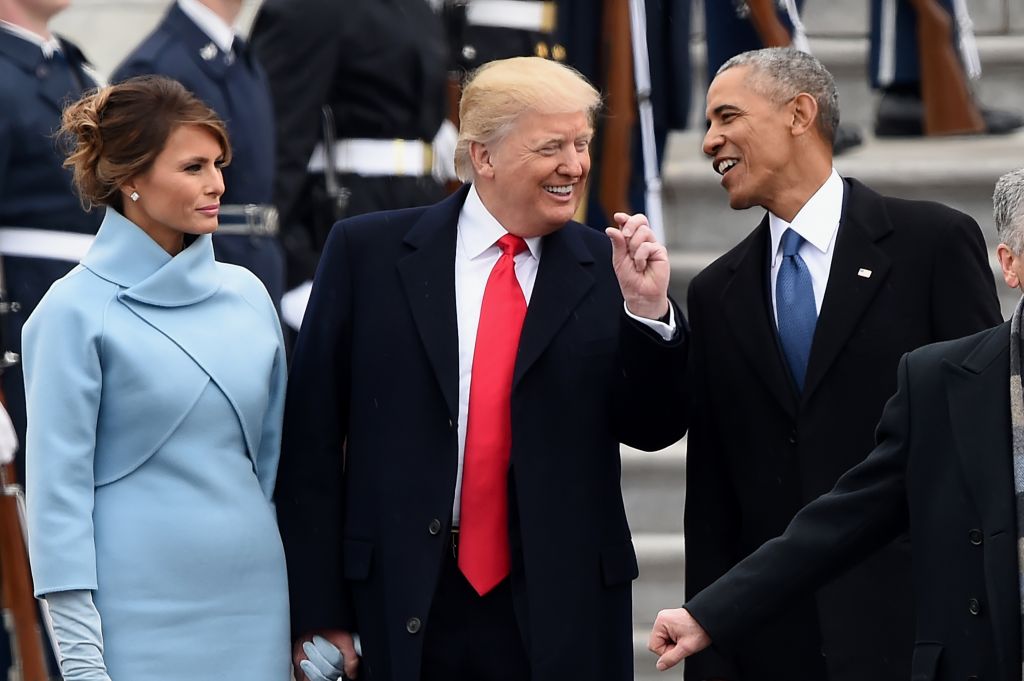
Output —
(796, 335)
(381, 497)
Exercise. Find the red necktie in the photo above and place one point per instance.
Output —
(483, 516)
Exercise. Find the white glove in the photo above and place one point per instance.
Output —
(324, 662)
(8, 438)
(444, 152)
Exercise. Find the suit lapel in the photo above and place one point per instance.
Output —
(747, 310)
(979, 415)
(428, 277)
(562, 281)
(849, 293)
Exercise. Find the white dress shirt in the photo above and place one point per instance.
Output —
(818, 223)
(215, 28)
(476, 252)
(49, 45)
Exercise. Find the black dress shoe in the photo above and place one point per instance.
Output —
(902, 115)
(847, 137)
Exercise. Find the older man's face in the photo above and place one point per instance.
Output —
(749, 140)
(538, 172)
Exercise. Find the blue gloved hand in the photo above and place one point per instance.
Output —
(324, 662)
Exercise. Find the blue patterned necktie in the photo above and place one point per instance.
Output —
(797, 314)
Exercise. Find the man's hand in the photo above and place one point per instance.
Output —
(641, 266)
(676, 635)
(320, 660)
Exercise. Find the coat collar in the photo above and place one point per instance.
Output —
(125, 255)
(428, 275)
(979, 415)
(848, 295)
(23, 53)
(747, 305)
(747, 308)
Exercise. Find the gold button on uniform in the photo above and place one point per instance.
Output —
(541, 50)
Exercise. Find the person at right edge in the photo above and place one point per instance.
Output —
(796, 333)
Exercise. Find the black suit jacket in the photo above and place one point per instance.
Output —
(943, 471)
(759, 451)
(369, 460)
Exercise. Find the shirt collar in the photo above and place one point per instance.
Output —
(49, 45)
(818, 220)
(479, 230)
(215, 28)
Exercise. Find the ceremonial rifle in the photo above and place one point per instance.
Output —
(949, 106)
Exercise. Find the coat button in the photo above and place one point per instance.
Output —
(413, 625)
(434, 527)
(976, 537)
(974, 607)
(973, 677)
(451, 424)
(792, 437)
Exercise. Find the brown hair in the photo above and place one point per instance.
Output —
(114, 133)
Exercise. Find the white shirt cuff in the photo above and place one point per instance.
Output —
(666, 331)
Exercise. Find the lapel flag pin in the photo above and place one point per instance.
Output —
(864, 273)
(208, 52)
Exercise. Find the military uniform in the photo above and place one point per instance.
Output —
(40, 215)
(377, 70)
(234, 85)
(36, 194)
(729, 31)
(894, 56)
(484, 30)
(668, 47)
(896, 70)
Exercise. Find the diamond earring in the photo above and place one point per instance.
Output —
(134, 196)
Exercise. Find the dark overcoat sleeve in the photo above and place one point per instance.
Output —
(865, 510)
(310, 495)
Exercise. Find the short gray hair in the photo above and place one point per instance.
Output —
(1008, 209)
(782, 73)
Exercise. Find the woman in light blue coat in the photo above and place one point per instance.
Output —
(155, 381)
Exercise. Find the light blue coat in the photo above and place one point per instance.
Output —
(155, 391)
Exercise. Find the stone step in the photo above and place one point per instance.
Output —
(652, 488)
(643, 660)
(1002, 59)
(851, 17)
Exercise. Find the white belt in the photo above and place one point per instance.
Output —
(376, 157)
(26, 242)
(520, 14)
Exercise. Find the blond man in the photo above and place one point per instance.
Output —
(449, 487)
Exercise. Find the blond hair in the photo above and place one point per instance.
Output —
(497, 93)
(114, 133)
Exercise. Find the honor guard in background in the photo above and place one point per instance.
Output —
(484, 30)
(359, 95)
(736, 26)
(598, 42)
(908, 75)
(43, 228)
(196, 45)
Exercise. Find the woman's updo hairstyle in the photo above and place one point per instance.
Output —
(114, 133)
